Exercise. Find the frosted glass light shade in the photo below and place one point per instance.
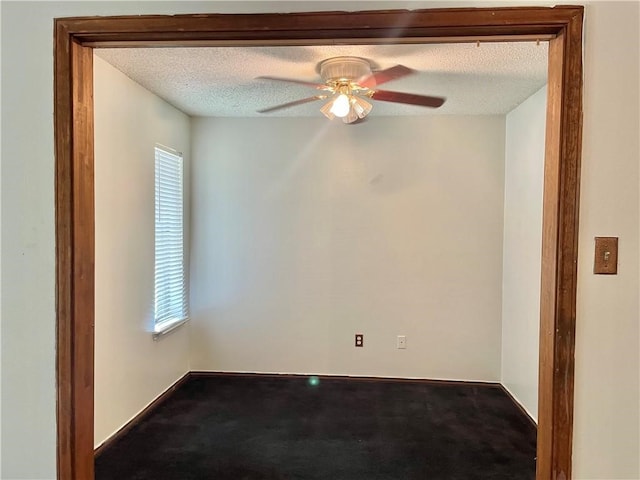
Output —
(326, 110)
(351, 117)
(360, 106)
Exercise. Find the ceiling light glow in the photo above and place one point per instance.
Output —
(341, 106)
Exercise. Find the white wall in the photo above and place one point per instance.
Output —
(607, 400)
(524, 178)
(607, 363)
(306, 232)
(131, 369)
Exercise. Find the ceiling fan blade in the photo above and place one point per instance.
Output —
(408, 98)
(319, 86)
(293, 104)
(386, 75)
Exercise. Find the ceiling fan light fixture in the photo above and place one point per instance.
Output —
(347, 107)
(348, 80)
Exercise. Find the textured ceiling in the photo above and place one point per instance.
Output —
(492, 78)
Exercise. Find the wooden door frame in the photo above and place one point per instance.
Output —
(75, 39)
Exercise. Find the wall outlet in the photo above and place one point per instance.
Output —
(402, 341)
(359, 340)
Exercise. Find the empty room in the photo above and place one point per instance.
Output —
(48, 234)
(282, 293)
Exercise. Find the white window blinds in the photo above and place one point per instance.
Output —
(170, 290)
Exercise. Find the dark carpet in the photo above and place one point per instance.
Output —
(248, 428)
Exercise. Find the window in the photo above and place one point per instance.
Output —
(170, 299)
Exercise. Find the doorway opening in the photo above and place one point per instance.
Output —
(75, 40)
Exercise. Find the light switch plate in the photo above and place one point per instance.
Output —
(606, 256)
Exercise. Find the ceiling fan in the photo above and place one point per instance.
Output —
(348, 82)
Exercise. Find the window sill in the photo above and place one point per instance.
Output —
(167, 327)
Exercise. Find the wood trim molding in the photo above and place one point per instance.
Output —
(142, 415)
(74, 41)
(74, 254)
(560, 252)
(64, 253)
(374, 26)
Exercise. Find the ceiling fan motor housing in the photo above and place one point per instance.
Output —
(344, 69)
